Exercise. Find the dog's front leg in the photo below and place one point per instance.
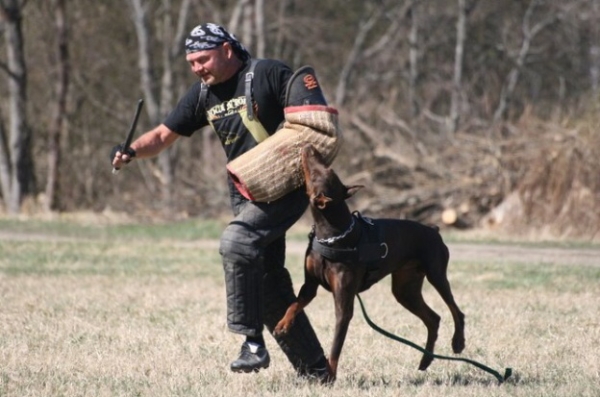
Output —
(343, 295)
(307, 293)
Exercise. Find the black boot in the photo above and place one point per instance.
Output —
(317, 371)
(253, 357)
(304, 89)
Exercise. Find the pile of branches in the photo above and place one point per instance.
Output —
(560, 189)
(530, 175)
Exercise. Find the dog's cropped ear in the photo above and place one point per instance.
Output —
(320, 201)
(351, 190)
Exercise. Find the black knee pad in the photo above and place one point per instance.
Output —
(243, 268)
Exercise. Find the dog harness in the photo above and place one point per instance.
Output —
(371, 247)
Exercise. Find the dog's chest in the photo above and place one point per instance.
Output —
(326, 272)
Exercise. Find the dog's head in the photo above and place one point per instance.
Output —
(323, 186)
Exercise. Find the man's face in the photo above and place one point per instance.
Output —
(211, 66)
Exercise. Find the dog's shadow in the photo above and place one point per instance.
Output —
(366, 382)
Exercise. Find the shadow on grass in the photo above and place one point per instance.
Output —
(462, 379)
(367, 382)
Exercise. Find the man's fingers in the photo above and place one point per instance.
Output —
(121, 158)
(117, 159)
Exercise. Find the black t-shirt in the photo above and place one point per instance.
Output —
(226, 108)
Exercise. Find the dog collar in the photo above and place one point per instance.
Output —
(331, 240)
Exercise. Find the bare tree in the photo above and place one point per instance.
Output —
(15, 156)
(252, 25)
(239, 12)
(529, 33)
(413, 56)
(5, 174)
(159, 97)
(461, 33)
(259, 21)
(594, 50)
(280, 38)
(60, 105)
(364, 28)
(248, 25)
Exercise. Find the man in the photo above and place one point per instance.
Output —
(258, 286)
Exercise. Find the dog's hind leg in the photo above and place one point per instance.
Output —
(443, 287)
(436, 275)
(407, 286)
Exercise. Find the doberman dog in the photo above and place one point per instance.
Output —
(348, 253)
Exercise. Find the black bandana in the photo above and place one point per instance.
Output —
(209, 35)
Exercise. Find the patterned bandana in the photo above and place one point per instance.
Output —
(209, 35)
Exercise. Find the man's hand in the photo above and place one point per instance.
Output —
(119, 157)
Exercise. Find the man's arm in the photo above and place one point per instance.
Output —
(147, 145)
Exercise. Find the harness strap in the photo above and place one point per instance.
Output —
(335, 254)
(370, 252)
(247, 91)
(202, 97)
(249, 107)
(366, 250)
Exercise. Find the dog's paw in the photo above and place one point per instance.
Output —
(281, 328)
(458, 344)
(425, 362)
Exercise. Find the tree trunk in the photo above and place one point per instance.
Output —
(4, 162)
(237, 14)
(364, 28)
(529, 34)
(259, 18)
(20, 162)
(285, 6)
(594, 50)
(52, 201)
(413, 56)
(461, 29)
(247, 26)
(160, 98)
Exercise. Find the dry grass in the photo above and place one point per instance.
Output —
(106, 318)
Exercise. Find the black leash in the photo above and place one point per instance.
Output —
(507, 372)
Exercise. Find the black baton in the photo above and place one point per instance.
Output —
(131, 131)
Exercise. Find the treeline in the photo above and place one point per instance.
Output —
(413, 80)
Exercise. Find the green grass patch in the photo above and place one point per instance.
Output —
(51, 258)
(529, 276)
(184, 230)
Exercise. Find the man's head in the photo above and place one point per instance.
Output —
(213, 53)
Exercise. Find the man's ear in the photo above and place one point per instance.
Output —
(229, 49)
(351, 190)
(320, 201)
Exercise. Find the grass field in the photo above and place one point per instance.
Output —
(139, 310)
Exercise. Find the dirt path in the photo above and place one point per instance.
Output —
(532, 255)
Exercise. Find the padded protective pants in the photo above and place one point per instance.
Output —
(258, 286)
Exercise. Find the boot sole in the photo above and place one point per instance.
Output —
(248, 370)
